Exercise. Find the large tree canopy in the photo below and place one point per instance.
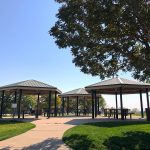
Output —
(106, 36)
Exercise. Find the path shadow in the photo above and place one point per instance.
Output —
(49, 144)
(130, 141)
(6, 148)
(29, 119)
(86, 120)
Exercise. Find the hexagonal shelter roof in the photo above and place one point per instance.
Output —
(112, 86)
(30, 87)
(76, 92)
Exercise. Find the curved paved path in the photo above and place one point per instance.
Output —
(46, 135)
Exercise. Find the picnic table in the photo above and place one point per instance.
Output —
(109, 112)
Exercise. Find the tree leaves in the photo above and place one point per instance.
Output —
(105, 36)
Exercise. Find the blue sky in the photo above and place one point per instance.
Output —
(28, 52)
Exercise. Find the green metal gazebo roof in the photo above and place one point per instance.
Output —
(30, 86)
(112, 86)
(76, 92)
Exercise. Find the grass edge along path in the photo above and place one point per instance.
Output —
(122, 135)
(13, 128)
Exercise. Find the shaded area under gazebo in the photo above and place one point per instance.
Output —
(118, 86)
(76, 94)
(30, 87)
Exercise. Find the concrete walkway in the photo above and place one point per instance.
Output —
(47, 135)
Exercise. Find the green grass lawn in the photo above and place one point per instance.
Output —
(12, 128)
(109, 136)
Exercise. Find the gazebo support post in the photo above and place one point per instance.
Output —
(19, 101)
(2, 103)
(63, 104)
(121, 104)
(84, 105)
(93, 114)
(55, 109)
(95, 98)
(67, 105)
(15, 98)
(77, 105)
(147, 98)
(98, 104)
(49, 104)
(116, 106)
(141, 102)
(37, 106)
(15, 101)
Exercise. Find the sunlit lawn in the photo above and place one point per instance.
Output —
(109, 136)
(12, 128)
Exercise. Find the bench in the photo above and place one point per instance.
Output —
(115, 113)
(130, 113)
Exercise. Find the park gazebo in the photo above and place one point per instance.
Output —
(117, 86)
(76, 94)
(29, 87)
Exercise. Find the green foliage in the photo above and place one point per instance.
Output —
(8, 99)
(9, 129)
(135, 111)
(148, 81)
(109, 136)
(44, 101)
(102, 102)
(58, 101)
(106, 36)
(7, 104)
(28, 102)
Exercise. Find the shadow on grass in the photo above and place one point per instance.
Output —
(3, 122)
(96, 121)
(49, 144)
(78, 142)
(112, 124)
(129, 141)
(16, 120)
